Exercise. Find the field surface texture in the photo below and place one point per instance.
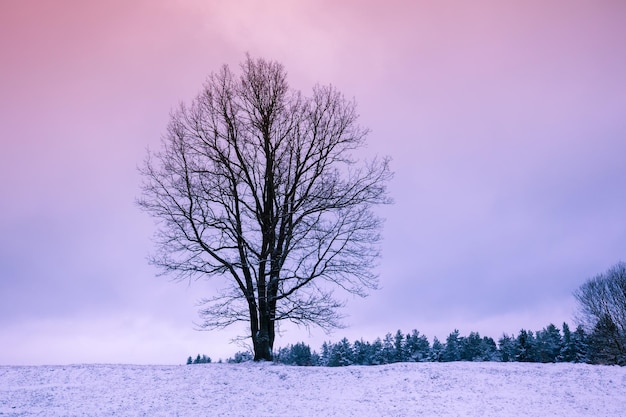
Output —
(265, 389)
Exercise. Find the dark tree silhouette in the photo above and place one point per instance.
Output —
(257, 183)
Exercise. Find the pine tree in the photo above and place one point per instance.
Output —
(508, 348)
(341, 354)
(315, 359)
(189, 360)
(567, 353)
(241, 357)
(399, 347)
(470, 348)
(417, 347)
(362, 353)
(326, 353)
(526, 346)
(606, 346)
(452, 348)
(489, 350)
(283, 355)
(580, 343)
(436, 354)
(548, 344)
(389, 351)
(377, 352)
(300, 354)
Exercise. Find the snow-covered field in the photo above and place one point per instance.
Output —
(252, 389)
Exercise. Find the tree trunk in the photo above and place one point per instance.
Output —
(262, 340)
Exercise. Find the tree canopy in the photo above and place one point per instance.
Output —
(257, 183)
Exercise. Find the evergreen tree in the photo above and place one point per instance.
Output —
(189, 360)
(489, 350)
(341, 354)
(417, 347)
(315, 359)
(326, 353)
(241, 357)
(399, 347)
(580, 343)
(362, 352)
(377, 352)
(606, 345)
(300, 354)
(452, 349)
(283, 355)
(548, 344)
(526, 346)
(436, 354)
(389, 351)
(470, 348)
(567, 353)
(509, 351)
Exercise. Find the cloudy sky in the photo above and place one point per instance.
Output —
(506, 123)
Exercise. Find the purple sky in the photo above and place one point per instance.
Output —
(506, 125)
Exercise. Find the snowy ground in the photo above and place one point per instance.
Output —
(421, 389)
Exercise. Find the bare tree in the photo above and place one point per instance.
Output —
(602, 311)
(257, 183)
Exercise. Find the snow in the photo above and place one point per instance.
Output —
(266, 389)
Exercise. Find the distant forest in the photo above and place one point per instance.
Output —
(550, 344)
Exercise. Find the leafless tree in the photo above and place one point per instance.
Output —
(602, 311)
(258, 184)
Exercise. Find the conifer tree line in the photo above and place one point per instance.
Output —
(548, 345)
(198, 359)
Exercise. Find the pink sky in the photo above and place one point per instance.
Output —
(506, 122)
